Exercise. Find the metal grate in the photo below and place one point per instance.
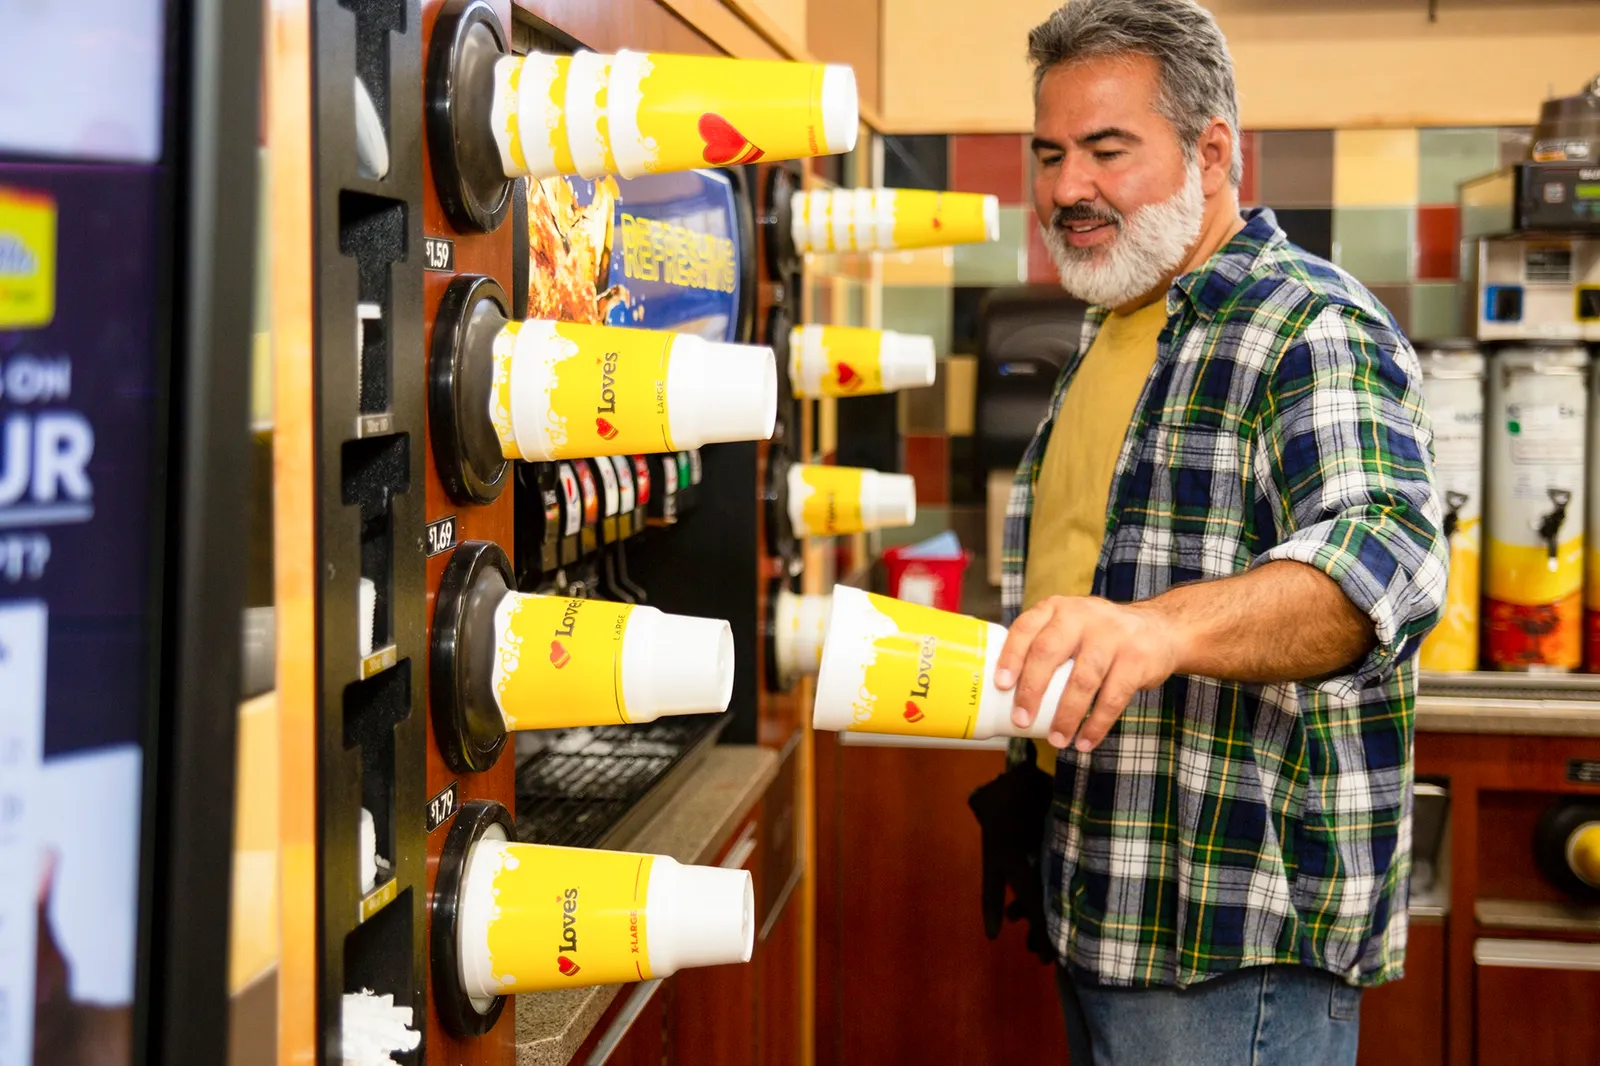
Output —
(576, 786)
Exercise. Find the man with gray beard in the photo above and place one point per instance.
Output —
(1228, 522)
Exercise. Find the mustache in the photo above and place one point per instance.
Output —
(1084, 212)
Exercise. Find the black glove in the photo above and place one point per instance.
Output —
(1012, 810)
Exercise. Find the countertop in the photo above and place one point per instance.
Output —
(694, 826)
(1552, 718)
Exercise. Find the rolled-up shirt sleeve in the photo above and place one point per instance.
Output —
(1343, 463)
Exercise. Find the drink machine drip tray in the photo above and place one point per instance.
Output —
(590, 787)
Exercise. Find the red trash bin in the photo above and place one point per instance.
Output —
(933, 582)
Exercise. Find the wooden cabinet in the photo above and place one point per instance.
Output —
(1402, 1023)
(1537, 1003)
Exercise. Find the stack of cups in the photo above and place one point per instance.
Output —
(845, 361)
(801, 630)
(561, 662)
(638, 113)
(825, 501)
(881, 220)
(564, 390)
(616, 917)
(894, 667)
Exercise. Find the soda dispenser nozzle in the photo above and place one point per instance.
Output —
(1453, 502)
(1549, 526)
(504, 661)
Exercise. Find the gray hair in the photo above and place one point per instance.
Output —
(1180, 35)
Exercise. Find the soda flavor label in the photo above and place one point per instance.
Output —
(27, 258)
(924, 673)
(567, 917)
(831, 499)
(672, 112)
(582, 391)
(838, 361)
(558, 661)
(1536, 635)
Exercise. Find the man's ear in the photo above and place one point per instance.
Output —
(1215, 156)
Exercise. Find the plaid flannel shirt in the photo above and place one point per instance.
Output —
(1223, 825)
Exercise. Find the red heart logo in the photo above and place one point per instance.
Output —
(567, 966)
(848, 378)
(559, 654)
(725, 145)
(606, 430)
(913, 712)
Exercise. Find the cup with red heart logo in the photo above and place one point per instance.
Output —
(672, 112)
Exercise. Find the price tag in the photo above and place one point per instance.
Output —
(441, 535)
(442, 806)
(439, 253)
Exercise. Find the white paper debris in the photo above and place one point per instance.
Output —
(372, 1029)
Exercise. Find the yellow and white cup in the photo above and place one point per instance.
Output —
(564, 390)
(529, 115)
(801, 630)
(562, 662)
(847, 361)
(840, 220)
(826, 501)
(535, 917)
(672, 112)
(893, 667)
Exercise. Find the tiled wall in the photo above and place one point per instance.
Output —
(1380, 203)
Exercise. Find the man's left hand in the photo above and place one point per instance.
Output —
(1118, 649)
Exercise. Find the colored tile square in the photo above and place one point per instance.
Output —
(1438, 243)
(1449, 157)
(1374, 168)
(1396, 299)
(992, 163)
(1296, 168)
(1436, 312)
(1001, 262)
(919, 309)
(960, 374)
(965, 303)
(1374, 243)
(924, 266)
(928, 460)
(919, 161)
(931, 521)
(1516, 144)
(1041, 268)
(1250, 153)
(922, 410)
(1310, 228)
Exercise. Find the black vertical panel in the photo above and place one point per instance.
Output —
(869, 432)
(921, 161)
(369, 491)
(190, 828)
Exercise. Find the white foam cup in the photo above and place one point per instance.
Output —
(720, 392)
(675, 664)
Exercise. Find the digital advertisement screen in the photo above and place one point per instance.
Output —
(80, 269)
(658, 252)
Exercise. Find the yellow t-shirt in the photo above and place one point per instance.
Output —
(1069, 506)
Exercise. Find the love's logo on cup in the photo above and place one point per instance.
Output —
(923, 674)
(579, 682)
(612, 378)
(725, 145)
(586, 908)
(833, 504)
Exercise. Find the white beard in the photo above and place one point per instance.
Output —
(1148, 245)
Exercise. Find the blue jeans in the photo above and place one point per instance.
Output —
(1262, 1016)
